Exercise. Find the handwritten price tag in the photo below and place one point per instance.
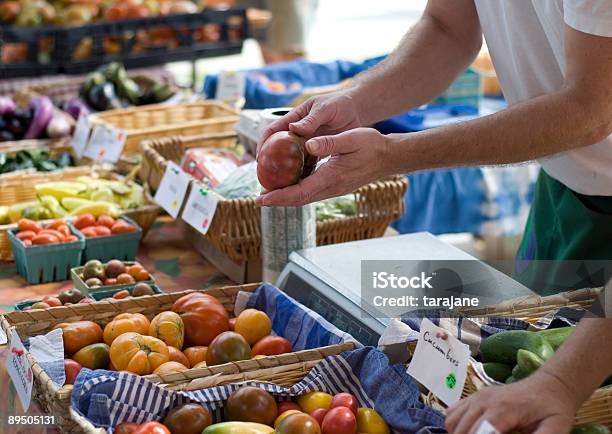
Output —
(106, 144)
(440, 364)
(200, 208)
(230, 86)
(80, 139)
(172, 189)
(20, 371)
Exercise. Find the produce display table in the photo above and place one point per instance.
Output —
(164, 252)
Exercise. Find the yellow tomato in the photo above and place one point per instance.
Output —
(253, 325)
(280, 418)
(313, 400)
(370, 422)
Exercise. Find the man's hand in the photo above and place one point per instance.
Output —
(320, 115)
(540, 404)
(357, 157)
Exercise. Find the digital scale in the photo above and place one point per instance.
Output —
(327, 279)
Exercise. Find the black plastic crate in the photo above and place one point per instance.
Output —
(77, 50)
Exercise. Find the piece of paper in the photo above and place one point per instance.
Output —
(20, 371)
(48, 351)
(486, 428)
(230, 86)
(200, 208)
(80, 139)
(440, 364)
(106, 144)
(3, 338)
(172, 189)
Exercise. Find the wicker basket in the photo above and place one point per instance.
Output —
(18, 187)
(56, 401)
(598, 408)
(158, 120)
(236, 228)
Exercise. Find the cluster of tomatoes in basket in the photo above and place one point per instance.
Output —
(32, 233)
(96, 274)
(197, 332)
(103, 226)
(252, 410)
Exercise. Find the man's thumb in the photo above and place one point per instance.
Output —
(323, 146)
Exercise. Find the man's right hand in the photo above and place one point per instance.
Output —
(321, 115)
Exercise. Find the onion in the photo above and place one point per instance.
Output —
(7, 105)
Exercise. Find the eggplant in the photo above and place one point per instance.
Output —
(103, 97)
(92, 79)
(43, 112)
(75, 106)
(130, 90)
(7, 105)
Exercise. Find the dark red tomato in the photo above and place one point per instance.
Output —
(299, 423)
(319, 414)
(283, 406)
(72, 369)
(188, 419)
(251, 404)
(227, 347)
(272, 345)
(339, 420)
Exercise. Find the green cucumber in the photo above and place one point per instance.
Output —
(528, 361)
(497, 371)
(556, 337)
(519, 374)
(502, 347)
(590, 428)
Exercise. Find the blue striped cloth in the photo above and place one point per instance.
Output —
(108, 398)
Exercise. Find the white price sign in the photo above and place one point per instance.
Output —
(439, 363)
(81, 135)
(20, 371)
(106, 144)
(230, 86)
(200, 208)
(172, 189)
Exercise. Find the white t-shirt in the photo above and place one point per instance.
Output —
(526, 43)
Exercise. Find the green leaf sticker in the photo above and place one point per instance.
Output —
(451, 381)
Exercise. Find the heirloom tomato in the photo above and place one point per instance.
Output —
(227, 347)
(272, 345)
(138, 354)
(196, 354)
(177, 355)
(299, 423)
(253, 325)
(204, 317)
(168, 326)
(79, 334)
(188, 419)
(94, 356)
(251, 404)
(123, 323)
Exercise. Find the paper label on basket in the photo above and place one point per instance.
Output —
(200, 208)
(20, 371)
(81, 135)
(3, 338)
(172, 189)
(485, 427)
(106, 144)
(440, 364)
(230, 86)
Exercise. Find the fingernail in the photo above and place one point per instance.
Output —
(259, 200)
(312, 145)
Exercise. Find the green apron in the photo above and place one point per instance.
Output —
(567, 242)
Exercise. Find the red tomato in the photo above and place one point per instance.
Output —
(72, 369)
(121, 294)
(110, 281)
(56, 223)
(71, 238)
(152, 428)
(28, 225)
(125, 427)
(106, 220)
(45, 239)
(319, 414)
(25, 235)
(122, 227)
(64, 229)
(283, 406)
(339, 420)
(83, 221)
(89, 232)
(52, 300)
(102, 231)
(58, 234)
(272, 345)
(345, 400)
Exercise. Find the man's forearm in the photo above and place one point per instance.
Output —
(584, 361)
(423, 65)
(533, 129)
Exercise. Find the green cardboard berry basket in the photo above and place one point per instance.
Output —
(117, 246)
(49, 262)
(98, 295)
(80, 283)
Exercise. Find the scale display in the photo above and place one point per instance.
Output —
(327, 279)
